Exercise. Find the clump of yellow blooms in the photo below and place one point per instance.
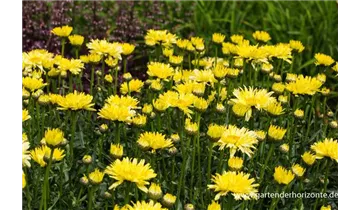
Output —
(283, 176)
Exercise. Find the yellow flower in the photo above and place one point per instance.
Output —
(139, 120)
(39, 153)
(25, 115)
(328, 207)
(284, 148)
(198, 43)
(274, 108)
(127, 48)
(96, 177)
(276, 133)
(326, 148)
(108, 78)
(114, 112)
(147, 108)
(127, 101)
(160, 70)
(175, 59)
(291, 77)
(132, 171)
(116, 150)
(278, 87)
(298, 170)
(168, 51)
(220, 71)
(235, 163)
(191, 127)
(261, 36)
(183, 43)
(239, 40)
(25, 151)
(135, 85)
(214, 206)
(321, 77)
(283, 99)
(105, 48)
(168, 200)
(160, 105)
(112, 62)
(215, 131)
(87, 159)
(76, 40)
(283, 176)
(53, 137)
(200, 104)
(218, 38)
(238, 139)
(260, 135)
(335, 67)
(154, 141)
(76, 101)
(322, 59)
(203, 76)
(23, 180)
(239, 184)
(296, 45)
(155, 191)
(266, 67)
(161, 37)
(32, 84)
(241, 110)
(36, 59)
(62, 31)
(308, 158)
(299, 113)
(304, 85)
(143, 205)
(156, 85)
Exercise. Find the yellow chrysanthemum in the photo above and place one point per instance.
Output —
(154, 141)
(298, 170)
(127, 48)
(53, 137)
(108, 78)
(116, 150)
(304, 85)
(134, 85)
(220, 71)
(105, 48)
(218, 38)
(23, 180)
(139, 120)
(283, 176)
(308, 158)
(183, 43)
(147, 108)
(62, 31)
(37, 59)
(200, 104)
(275, 108)
(162, 37)
(214, 206)
(76, 40)
(76, 101)
(132, 171)
(235, 163)
(160, 70)
(168, 200)
(115, 112)
(261, 36)
(198, 43)
(176, 59)
(25, 151)
(96, 176)
(239, 184)
(296, 45)
(143, 205)
(238, 139)
(326, 148)
(25, 115)
(206, 76)
(32, 84)
(328, 207)
(39, 153)
(191, 127)
(322, 59)
(215, 131)
(335, 67)
(127, 101)
(299, 113)
(155, 191)
(276, 133)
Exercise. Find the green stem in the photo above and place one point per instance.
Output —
(125, 64)
(73, 126)
(46, 180)
(63, 47)
(71, 83)
(270, 153)
(92, 79)
(90, 196)
(117, 137)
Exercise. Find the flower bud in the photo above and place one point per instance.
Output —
(168, 200)
(84, 180)
(175, 137)
(103, 128)
(189, 206)
(333, 124)
(284, 148)
(173, 150)
(87, 159)
(155, 192)
(127, 76)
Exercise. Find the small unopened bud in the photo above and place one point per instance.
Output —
(175, 137)
(107, 195)
(330, 114)
(127, 76)
(333, 124)
(84, 180)
(103, 128)
(155, 191)
(173, 151)
(189, 206)
(284, 148)
(220, 108)
(87, 159)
